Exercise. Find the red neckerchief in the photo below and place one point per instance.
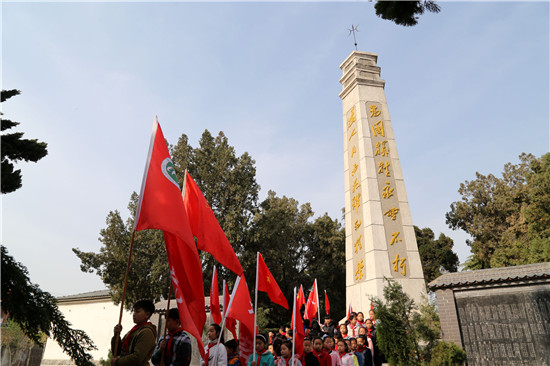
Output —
(260, 354)
(170, 341)
(126, 342)
(206, 356)
(370, 330)
(361, 348)
(321, 354)
(341, 354)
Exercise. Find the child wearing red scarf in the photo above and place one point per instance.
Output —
(137, 346)
(262, 357)
(176, 348)
(322, 355)
(308, 358)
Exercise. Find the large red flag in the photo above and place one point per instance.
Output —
(161, 207)
(230, 323)
(160, 204)
(205, 226)
(267, 283)
(312, 304)
(300, 299)
(215, 299)
(327, 305)
(297, 324)
(240, 308)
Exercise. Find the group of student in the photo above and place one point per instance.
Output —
(352, 343)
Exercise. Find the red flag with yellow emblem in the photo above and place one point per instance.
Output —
(267, 283)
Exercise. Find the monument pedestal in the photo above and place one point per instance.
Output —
(380, 239)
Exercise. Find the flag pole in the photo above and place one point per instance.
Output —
(293, 325)
(166, 320)
(255, 307)
(117, 335)
(318, 303)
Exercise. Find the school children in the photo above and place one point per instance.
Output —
(216, 354)
(177, 345)
(262, 357)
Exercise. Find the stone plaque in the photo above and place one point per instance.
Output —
(506, 327)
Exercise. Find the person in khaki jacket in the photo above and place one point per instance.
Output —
(137, 346)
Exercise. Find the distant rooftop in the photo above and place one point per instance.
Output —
(85, 296)
(492, 275)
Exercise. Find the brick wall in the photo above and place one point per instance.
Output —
(447, 313)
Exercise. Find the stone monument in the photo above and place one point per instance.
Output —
(500, 316)
(380, 239)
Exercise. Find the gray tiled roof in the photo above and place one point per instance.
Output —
(85, 295)
(503, 274)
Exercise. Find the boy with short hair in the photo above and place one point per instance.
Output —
(136, 348)
(176, 346)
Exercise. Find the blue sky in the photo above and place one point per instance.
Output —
(467, 89)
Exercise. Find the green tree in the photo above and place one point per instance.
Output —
(36, 311)
(405, 13)
(279, 231)
(506, 216)
(435, 254)
(228, 183)
(15, 148)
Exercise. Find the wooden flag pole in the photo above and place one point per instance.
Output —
(166, 320)
(117, 334)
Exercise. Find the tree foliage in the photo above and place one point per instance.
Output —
(405, 13)
(36, 311)
(15, 148)
(297, 250)
(508, 218)
(408, 335)
(435, 254)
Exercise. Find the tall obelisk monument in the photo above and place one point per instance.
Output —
(380, 239)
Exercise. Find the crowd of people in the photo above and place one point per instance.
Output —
(351, 343)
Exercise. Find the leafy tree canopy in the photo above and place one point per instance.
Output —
(36, 311)
(15, 148)
(508, 218)
(405, 13)
(435, 254)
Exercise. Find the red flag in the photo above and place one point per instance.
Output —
(312, 306)
(299, 333)
(161, 207)
(205, 226)
(240, 308)
(267, 283)
(300, 299)
(186, 273)
(160, 204)
(230, 323)
(327, 305)
(215, 299)
(371, 306)
(350, 310)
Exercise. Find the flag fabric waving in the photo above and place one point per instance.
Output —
(300, 299)
(160, 206)
(240, 308)
(350, 310)
(312, 304)
(205, 226)
(186, 272)
(230, 323)
(297, 324)
(267, 283)
(215, 299)
(327, 305)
